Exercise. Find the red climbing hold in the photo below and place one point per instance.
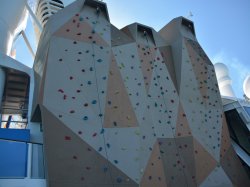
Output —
(94, 135)
(67, 138)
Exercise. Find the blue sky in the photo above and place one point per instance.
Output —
(222, 28)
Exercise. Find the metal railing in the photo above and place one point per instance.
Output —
(35, 164)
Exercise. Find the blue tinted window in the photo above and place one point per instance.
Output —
(13, 159)
(247, 110)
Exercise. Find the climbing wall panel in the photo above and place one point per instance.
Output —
(204, 162)
(154, 174)
(124, 108)
(76, 167)
(217, 178)
(128, 62)
(119, 112)
(232, 166)
(204, 120)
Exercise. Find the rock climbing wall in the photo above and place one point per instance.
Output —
(116, 111)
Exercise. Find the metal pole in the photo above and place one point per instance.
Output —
(28, 44)
(2, 83)
(34, 18)
(29, 161)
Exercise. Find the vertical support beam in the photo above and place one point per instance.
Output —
(2, 83)
(34, 18)
(28, 44)
(29, 161)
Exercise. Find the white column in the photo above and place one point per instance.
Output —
(2, 82)
(29, 161)
(6, 38)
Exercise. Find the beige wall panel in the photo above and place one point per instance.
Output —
(154, 174)
(80, 30)
(119, 111)
(204, 162)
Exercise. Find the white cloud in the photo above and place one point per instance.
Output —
(237, 70)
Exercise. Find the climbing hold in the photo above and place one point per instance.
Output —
(128, 118)
(102, 131)
(119, 180)
(60, 90)
(67, 138)
(85, 118)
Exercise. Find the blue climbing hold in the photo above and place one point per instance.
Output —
(119, 180)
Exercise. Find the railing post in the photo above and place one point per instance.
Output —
(29, 161)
